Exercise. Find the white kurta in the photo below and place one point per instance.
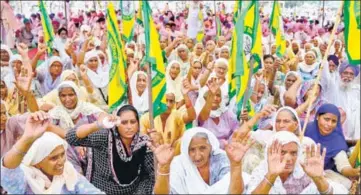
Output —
(346, 98)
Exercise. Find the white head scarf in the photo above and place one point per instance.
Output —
(100, 78)
(176, 84)
(283, 88)
(7, 75)
(309, 68)
(140, 102)
(293, 111)
(66, 116)
(36, 179)
(200, 102)
(184, 66)
(185, 177)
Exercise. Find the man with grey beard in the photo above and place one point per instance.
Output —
(344, 93)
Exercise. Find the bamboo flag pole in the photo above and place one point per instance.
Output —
(150, 97)
(318, 78)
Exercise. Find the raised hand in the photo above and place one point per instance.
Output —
(156, 137)
(213, 86)
(238, 148)
(210, 65)
(23, 80)
(22, 49)
(42, 48)
(36, 125)
(314, 162)
(267, 110)
(83, 70)
(186, 87)
(244, 115)
(164, 153)
(275, 165)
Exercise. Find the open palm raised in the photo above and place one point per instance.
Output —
(238, 148)
(23, 80)
(314, 163)
(36, 124)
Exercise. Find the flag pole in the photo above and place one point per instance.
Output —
(323, 12)
(150, 96)
(318, 78)
(246, 93)
(66, 15)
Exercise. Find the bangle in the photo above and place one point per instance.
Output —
(19, 152)
(268, 182)
(162, 174)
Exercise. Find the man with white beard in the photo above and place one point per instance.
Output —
(344, 93)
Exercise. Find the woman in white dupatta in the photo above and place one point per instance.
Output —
(139, 90)
(308, 69)
(37, 163)
(284, 171)
(99, 77)
(202, 167)
(174, 80)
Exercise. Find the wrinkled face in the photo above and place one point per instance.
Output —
(309, 59)
(308, 47)
(3, 117)
(170, 98)
(190, 44)
(163, 43)
(196, 69)
(323, 48)
(286, 122)
(217, 100)
(93, 64)
(53, 164)
(224, 54)
(273, 49)
(141, 83)
(327, 123)
(182, 53)
(289, 154)
(268, 63)
(290, 80)
(3, 90)
(347, 75)
(315, 43)
(73, 78)
(63, 34)
(332, 66)
(16, 65)
(174, 70)
(210, 46)
(337, 45)
(56, 68)
(4, 56)
(129, 125)
(294, 47)
(199, 151)
(221, 41)
(221, 70)
(199, 49)
(68, 98)
(260, 92)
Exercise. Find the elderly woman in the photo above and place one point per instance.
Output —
(308, 69)
(182, 55)
(194, 80)
(326, 130)
(49, 76)
(5, 55)
(212, 113)
(224, 52)
(174, 80)
(202, 167)
(121, 163)
(37, 164)
(197, 50)
(283, 173)
(51, 99)
(139, 91)
(14, 68)
(297, 51)
(99, 78)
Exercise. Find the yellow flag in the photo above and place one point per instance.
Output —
(117, 87)
(351, 12)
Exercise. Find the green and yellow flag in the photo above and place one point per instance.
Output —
(219, 27)
(351, 12)
(128, 20)
(117, 88)
(237, 10)
(139, 13)
(155, 59)
(276, 26)
(246, 42)
(200, 34)
(47, 26)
